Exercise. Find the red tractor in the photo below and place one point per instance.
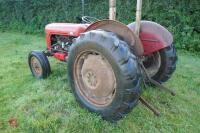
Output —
(108, 61)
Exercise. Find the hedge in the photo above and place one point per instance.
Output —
(181, 17)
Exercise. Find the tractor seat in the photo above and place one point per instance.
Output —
(68, 29)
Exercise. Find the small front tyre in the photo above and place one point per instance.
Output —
(39, 64)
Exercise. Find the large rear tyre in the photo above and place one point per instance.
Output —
(162, 64)
(104, 75)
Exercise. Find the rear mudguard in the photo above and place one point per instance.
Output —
(153, 36)
(123, 31)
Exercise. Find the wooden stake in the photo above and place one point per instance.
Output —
(112, 9)
(138, 17)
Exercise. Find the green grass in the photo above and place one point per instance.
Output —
(48, 105)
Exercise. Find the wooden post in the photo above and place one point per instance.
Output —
(138, 16)
(112, 9)
(83, 7)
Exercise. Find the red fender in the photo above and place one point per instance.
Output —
(153, 36)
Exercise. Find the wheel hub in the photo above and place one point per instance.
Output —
(37, 68)
(90, 79)
(96, 79)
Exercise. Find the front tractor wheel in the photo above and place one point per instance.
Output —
(104, 74)
(39, 64)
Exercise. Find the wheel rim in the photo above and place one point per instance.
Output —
(36, 66)
(94, 78)
(152, 63)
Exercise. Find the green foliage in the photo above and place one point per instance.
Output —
(181, 17)
(48, 106)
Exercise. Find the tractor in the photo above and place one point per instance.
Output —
(109, 62)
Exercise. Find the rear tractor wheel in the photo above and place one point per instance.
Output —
(104, 74)
(162, 64)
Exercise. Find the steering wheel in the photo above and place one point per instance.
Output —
(88, 19)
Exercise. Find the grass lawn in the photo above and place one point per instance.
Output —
(48, 106)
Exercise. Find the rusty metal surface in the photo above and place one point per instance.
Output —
(123, 31)
(95, 79)
(155, 28)
(36, 66)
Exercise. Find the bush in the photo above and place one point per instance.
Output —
(179, 16)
